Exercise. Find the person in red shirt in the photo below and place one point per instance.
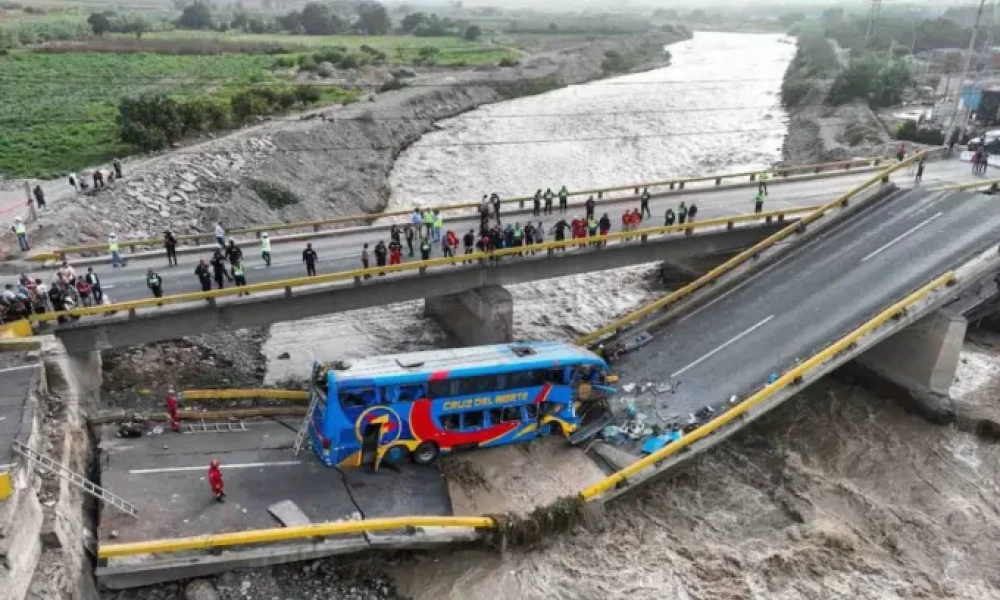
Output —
(175, 422)
(636, 219)
(452, 241)
(215, 480)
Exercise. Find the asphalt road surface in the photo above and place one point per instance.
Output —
(343, 252)
(809, 299)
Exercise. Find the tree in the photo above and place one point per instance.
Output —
(99, 22)
(135, 25)
(319, 19)
(472, 33)
(196, 16)
(240, 21)
(373, 19)
(291, 22)
(412, 21)
(870, 78)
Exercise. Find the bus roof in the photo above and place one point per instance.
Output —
(475, 360)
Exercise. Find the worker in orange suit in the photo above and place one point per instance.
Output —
(215, 480)
(175, 422)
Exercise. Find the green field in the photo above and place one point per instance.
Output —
(59, 110)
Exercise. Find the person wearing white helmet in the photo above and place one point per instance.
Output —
(265, 248)
(22, 234)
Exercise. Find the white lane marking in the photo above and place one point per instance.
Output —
(225, 466)
(108, 287)
(896, 239)
(724, 346)
(21, 368)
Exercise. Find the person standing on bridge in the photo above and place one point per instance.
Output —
(220, 235)
(170, 243)
(762, 183)
(920, 171)
(537, 209)
(416, 220)
(380, 254)
(310, 257)
(394, 233)
(95, 285)
(365, 260)
(155, 283)
(219, 268)
(495, 199)
(265, 248)
(22, 234)
(669, 217)
(395, 253)
(410, 234)
(682, 213)
(438, 225)
(901, 152)
(560, 231)
(758, 204)
(590, 205)
(239, 276)
(548, 200)
(540, 233)
(428, 223)
(563, 199)
(116, 258)
(233, 252)
(644, 204)
(215, 480)
(692, 211)
(204, 275)
(469, 241)
(425, 249)
(175, 421)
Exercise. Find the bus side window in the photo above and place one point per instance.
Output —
(496, 416)
(409, 393)
(511, 414)
(556, 376)
(472, 420)
(531, 412)
(357, 397)
(450, 422)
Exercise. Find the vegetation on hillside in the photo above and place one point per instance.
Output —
(872, 78)
(814, 60)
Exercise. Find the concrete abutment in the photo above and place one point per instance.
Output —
(484, 315)
(922, 360)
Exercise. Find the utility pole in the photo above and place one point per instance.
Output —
(892, 48)
(873, 19)
(965, 72)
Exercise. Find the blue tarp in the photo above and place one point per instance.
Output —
(971, 96)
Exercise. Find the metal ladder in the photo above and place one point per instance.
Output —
(46, 464)
(300, 435)
(225, 427)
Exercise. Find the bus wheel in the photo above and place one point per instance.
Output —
(545, 430)
(395, 455)
(426, 453)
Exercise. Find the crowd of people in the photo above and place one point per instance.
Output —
(65, 291)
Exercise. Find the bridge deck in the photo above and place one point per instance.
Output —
(808, 299)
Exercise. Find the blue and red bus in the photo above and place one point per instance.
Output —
(385, 409)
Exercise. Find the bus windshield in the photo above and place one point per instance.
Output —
(418, 406)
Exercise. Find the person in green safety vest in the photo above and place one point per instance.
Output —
(239, 276)
(154, 282)
(762, 183)
(548, 200)
(116, 257)
(438, 224)
(758, 203)
(563, 199)
(428, 223)
(425, 248)
(21, 233)
(682, 213)
(265, 248)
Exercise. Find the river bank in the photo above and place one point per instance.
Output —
(327, 162)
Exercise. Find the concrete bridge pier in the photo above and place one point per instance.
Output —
(483, 315)
(922, 360)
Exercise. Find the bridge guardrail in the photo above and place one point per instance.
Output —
(744, 256)
(677, 183)
(993, 184)
(792, 376)
(244, 394)
(357, 275)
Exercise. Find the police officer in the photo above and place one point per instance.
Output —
(203, 273)
(469, 241)
(233, 252)
(116, 257)
(365, 259)
(310, 257)
(692, 211)
(758, 203)
(548, 200)
(265, 248)
(762, 183)
(538, 203)
(410, 234)
(170, 243)
(682, 213)
(380, 255)
(154, 282)
(669, 217)
(563, 199)
(590, 205)
(219, 268)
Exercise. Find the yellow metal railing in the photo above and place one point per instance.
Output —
(418, 265)
(677, 183)
(280, 534)
(207, 542)
(244, 394)
(975, 185)
(742, 257)
(769, 390)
